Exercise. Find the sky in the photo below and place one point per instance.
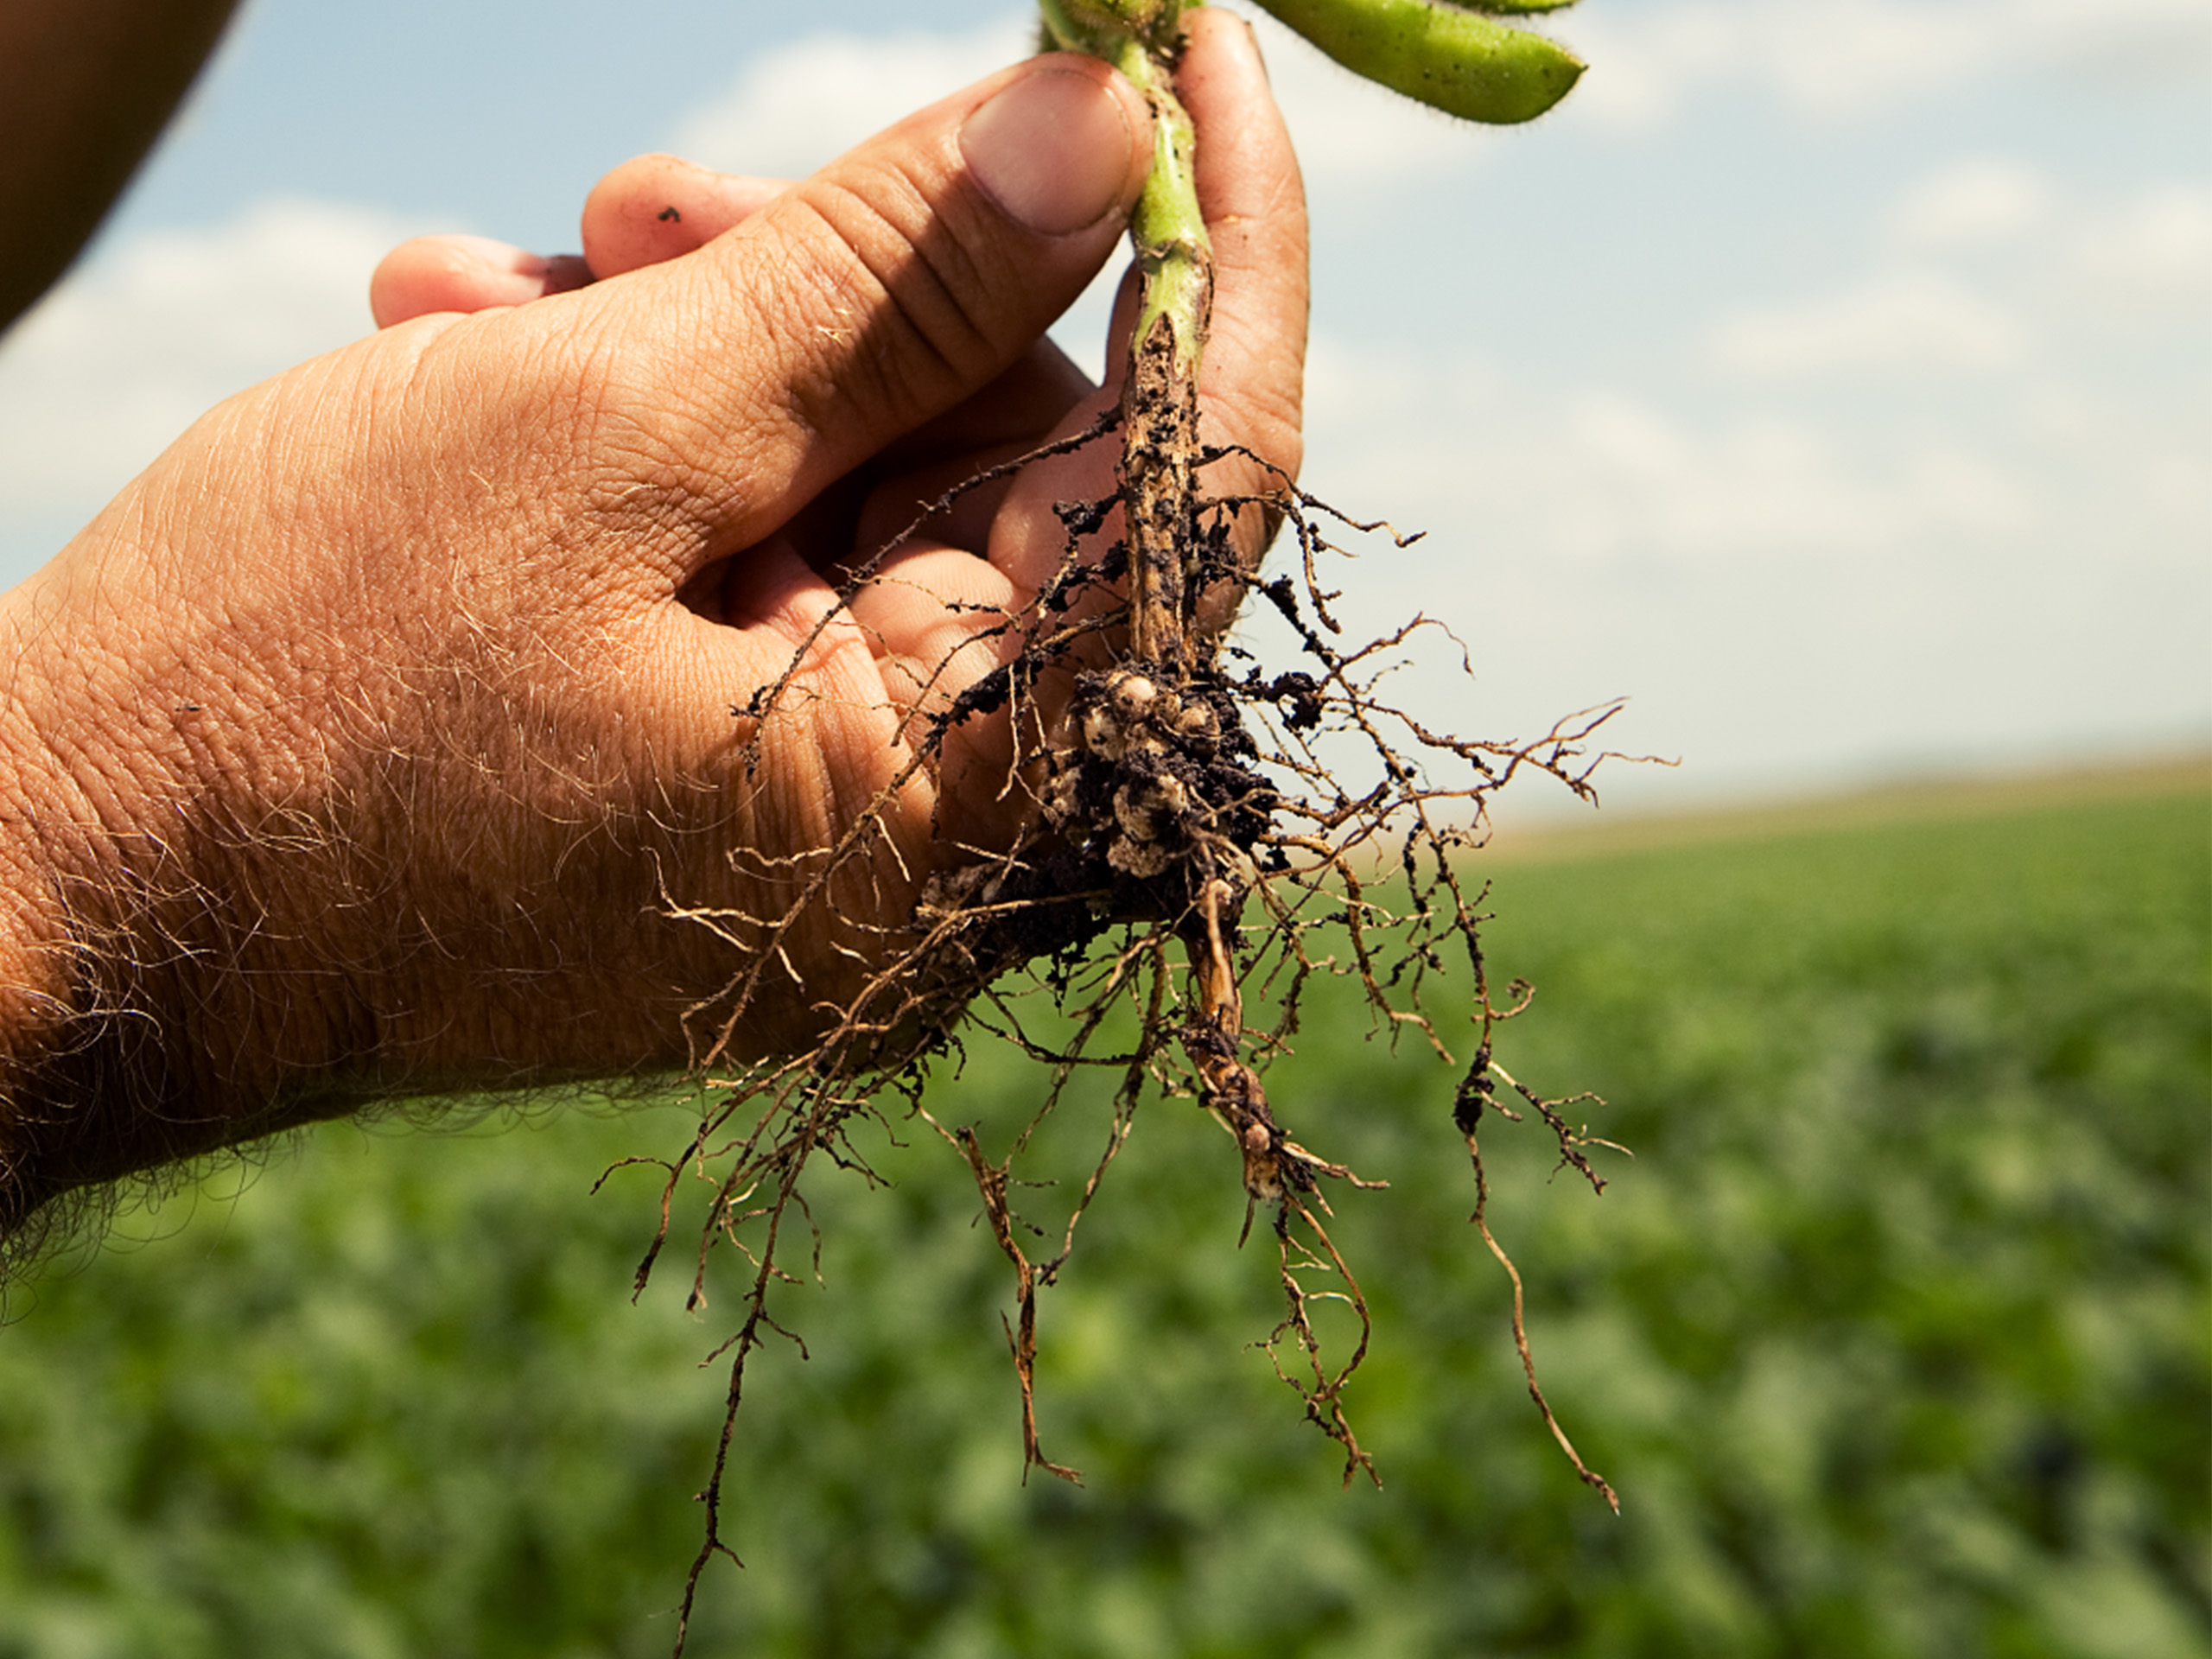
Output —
(1831, 378)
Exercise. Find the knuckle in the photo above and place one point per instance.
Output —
(894, 307)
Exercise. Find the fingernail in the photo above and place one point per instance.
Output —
(1252, 41)
(565, 272)
(1052, 149)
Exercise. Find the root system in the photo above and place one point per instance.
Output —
(1205, 837)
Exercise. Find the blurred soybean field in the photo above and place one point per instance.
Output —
(1894, 1335)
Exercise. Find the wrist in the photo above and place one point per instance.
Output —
(34, 995)
(149, 1010)
(48, 1002)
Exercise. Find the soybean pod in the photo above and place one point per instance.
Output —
(1441, 56)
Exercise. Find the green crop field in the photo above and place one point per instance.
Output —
(1894, 1336)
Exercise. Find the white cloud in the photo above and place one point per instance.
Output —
(1973, 202)
(2150, 252)
(1837, 59)
(1779, 585)
(1595, 475)
(1632, 479)
(112, 365)
(1986, 266)
(2145, 248)
(798, 106)
(1900, 323)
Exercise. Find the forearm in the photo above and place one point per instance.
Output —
(34, 994)
(86, 87)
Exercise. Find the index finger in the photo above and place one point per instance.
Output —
(863, 302)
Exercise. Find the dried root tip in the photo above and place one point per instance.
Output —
(1020, 1333)
(1588, 1475)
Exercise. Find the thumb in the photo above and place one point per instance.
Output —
(892, 285)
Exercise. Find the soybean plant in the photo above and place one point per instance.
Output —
(1195, 834)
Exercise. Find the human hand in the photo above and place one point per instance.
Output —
(388, 734)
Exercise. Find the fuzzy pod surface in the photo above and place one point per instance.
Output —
(1513, 7)
(1441, 56)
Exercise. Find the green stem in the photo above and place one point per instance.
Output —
(1159, 398)
(1166, 228)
